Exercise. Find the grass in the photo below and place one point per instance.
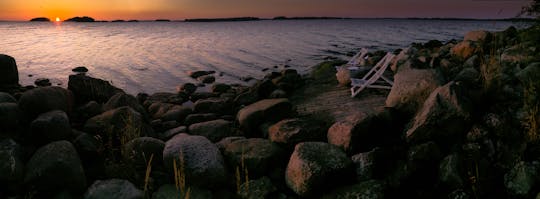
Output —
(180, 177)
(531, 107)
(491, 71)
(242, 171)
(147, 176)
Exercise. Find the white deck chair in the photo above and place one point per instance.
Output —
(374, 78)
(355, 60)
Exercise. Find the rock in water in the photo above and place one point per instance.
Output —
(271, 110)
(316, 166)
(80, 69)
(113, 188)
(56, 167)
(86, 88)
(45, 99)
(202, 161)
(9, 75)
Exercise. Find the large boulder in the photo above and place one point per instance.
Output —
(200, 159)
(138, 151)
(9, 75)
(258, 156)
(56, 167)
(170, 191)
(293, 131)
(268, 110)
(200, 117)
(477, 36)
(122, 99)
(443, 117)
(317, 166)
(411, 88)
(168, 111)
(113, 188)
(522, 179)
(214, 130)
(45, 99)
(261, 188)
(214, 105)
(50, 126)
(10, 116)
(371, 189)
(464, 49)
(87, 88)
(11, 164)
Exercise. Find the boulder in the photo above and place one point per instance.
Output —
(214, 130)
(201, 160)
(90, 109)
(207, 79)
(424, 154)
(41, 82)
(55, 167)
(443, 117)
(87, 88)
(113, 188)
(122, 125)
(371, 189)
(45, 99)
(169, 191)
(411, 88)
(199, 117)
(464, 49)
(257, 156)
(189, 88)
(365, 164)
(343, 76)
(246, 98)
(80, 69)
(164, 97)
(88, 147)
(315, 167)
(10, 117)
(50, 126)
(223, 143)
(202, 95)
(11, 164)
(168, 111)
(530, 75)
(122, 99)
(477, 36)
(214, 105)
(197, 74)
(521, 179)
(6, 97)
(290, 132)
(9, 75)
(451, 172)
(172, 132)
(220, 88)
(268, 110)
(138, 151)
(261, 188)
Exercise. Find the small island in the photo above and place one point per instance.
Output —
(222, 19)
(41, 19)
(163, 20)
(81, 19)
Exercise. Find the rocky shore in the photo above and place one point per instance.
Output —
(461, 121)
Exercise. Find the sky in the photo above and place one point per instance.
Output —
(182, 9)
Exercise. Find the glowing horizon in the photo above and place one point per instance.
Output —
(182, 9)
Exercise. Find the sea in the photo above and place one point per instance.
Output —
(157, 56)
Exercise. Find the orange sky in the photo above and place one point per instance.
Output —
(181, 9)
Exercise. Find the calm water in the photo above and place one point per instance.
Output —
(156, 56)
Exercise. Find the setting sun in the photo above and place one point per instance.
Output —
(57, 19)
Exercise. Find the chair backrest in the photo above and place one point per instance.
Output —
(378, 69)
(356, 58)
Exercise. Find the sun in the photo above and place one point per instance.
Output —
(57, 19)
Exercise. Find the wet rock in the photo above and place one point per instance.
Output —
(11, 164)
(41, 82)
(189, 88)
(138, 151)
(371, 189)
(293, 131)
(86, 89)
(50, 126)
(443, 117)
(122, 99)
(271, 110)
(113, 188)
(55, 167)
(464, 49)
(411, 88)
(220, 88)
(6, 97)
(246, 98)
(261, 188)
(45, 99)
(214, 130)
(197, 74)
(9, 74)
(202, 160)
(259, 156)
(317, 166)
(521, 179)
(199, 117)
(170, 191)
(451, 172)
(10, 117)
(214, 105)
(207, 79)
(80, 69)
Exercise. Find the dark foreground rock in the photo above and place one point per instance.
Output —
(258, 156)
(87, 88)
(45, 99)
(9, 75)
(113, 188)
(11, 164)
(50, 126)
